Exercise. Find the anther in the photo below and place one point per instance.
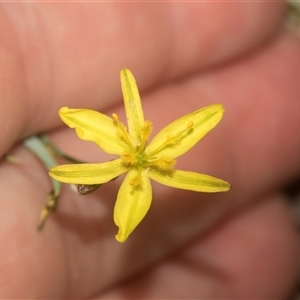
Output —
(190, 125)
(115, 117)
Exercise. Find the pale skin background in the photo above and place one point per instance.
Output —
(240, 244)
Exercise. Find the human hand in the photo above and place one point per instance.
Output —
(190, 245)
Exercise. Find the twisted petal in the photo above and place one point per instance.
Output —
(133, 106)
(88, 173)
(182, 134)
(93, 126)
(190, 181)
(133, 202)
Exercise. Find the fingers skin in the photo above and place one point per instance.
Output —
(34, 264)
(214, 32)
(252, 255)
(64, 53)
(86, 258)
(13, 113)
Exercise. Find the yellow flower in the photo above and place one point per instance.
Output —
(141, 160)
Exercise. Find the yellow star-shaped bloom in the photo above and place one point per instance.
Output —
(141, 160)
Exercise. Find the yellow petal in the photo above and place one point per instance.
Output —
(93, 126)
(133, 202)
(133, 106)
(182, 134)
(190, 181)
(88, 173)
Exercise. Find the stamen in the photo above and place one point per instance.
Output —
(166, 164)
(144, 135)
(190, 125)
(174, 139)
(122, 133)
(129, 159)
(136, 181)
(115, 117)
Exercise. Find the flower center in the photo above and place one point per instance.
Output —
(140, 160)
(135, 157)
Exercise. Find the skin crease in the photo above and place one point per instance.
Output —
(240, 244)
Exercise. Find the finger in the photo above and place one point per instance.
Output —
(251, 255)
(64, 54)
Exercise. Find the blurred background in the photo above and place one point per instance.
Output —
(293, 191)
